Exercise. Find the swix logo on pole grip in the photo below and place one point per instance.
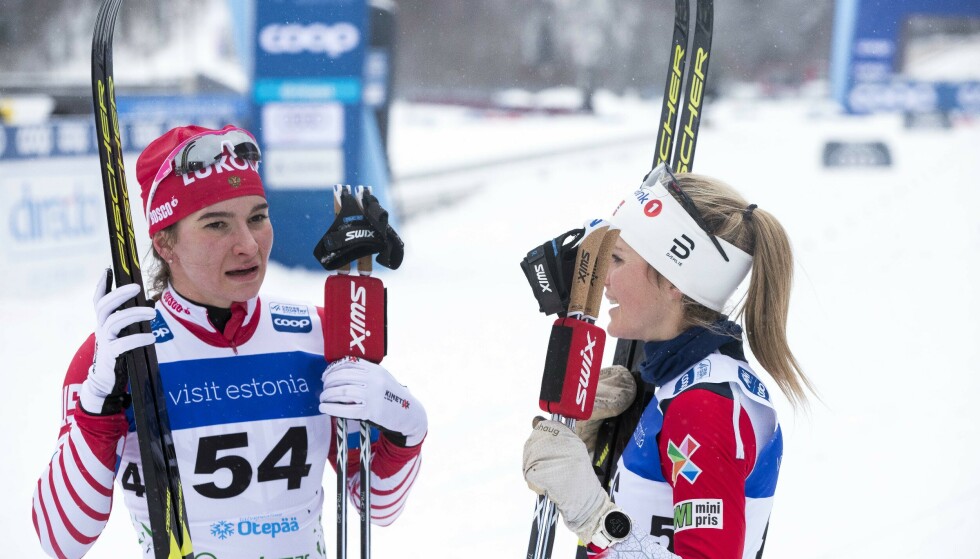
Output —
(359, 234)
(358, 325)
(542, 278)
(571, 373)
(582, 392)
(354, 318)
(583, 267)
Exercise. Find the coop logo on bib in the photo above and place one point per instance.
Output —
(753, 384)
(694, 374)
(290, 318)
(161, 330)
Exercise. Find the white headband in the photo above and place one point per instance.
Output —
(658, 227)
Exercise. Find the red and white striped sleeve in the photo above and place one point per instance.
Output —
(393, 472)
(73, 496)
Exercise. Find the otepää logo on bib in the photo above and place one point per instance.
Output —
(223, 529)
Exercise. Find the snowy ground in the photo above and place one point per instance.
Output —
(884, 464)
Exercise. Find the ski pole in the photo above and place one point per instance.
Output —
(341, 437)
(572, 363)
(355, 324)
(364, 268)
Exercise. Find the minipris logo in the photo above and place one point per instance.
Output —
(699, 513)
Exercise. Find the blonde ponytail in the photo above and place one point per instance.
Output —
(766, 309)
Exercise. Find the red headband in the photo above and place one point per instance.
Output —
(169, 197)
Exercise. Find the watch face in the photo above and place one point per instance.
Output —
(617, 524)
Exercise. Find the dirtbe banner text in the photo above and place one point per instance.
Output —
(52, 211)
(307, 93)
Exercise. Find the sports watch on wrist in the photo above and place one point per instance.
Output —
(613, 528)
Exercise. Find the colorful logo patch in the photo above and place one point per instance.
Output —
(680, 455)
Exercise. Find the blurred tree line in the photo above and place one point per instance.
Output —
(453, 47)
(460, 48)
(40, 34)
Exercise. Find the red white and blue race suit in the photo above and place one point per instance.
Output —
(701, 467)
(251, 444)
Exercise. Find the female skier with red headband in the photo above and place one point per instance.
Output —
(697, 477)
(249, 401)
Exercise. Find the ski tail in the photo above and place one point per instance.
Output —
(697, 76)
(676, 142)
(670, 113)
(164, 494)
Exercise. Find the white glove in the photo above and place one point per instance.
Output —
(615, 393)
(357, 389)
(637, 545)
(557, 465)
(103, 381)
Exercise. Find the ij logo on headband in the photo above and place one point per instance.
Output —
(681, 249)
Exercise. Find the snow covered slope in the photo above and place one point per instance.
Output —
(883, 320)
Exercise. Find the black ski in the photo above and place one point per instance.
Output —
(674, 88)
(680, 117)
(161, 480)
(697, 76)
